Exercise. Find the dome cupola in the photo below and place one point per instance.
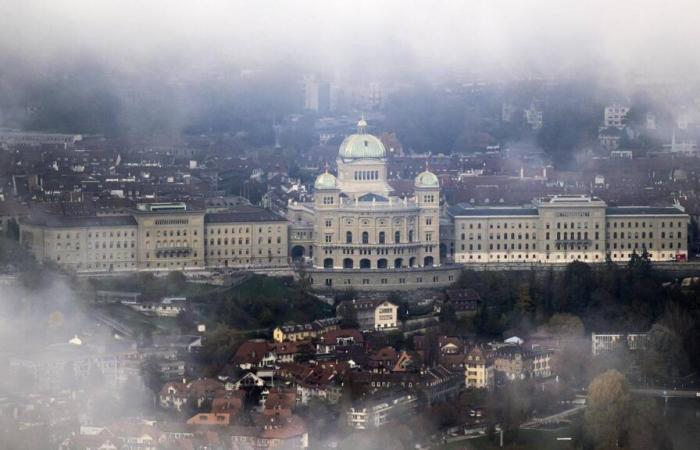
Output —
(326, 181)
(361, 144)
(427, 179)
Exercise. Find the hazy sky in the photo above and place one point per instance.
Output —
(508, 35)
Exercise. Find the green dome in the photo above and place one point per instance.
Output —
(325, 181)
(362, 145)
(427, 179)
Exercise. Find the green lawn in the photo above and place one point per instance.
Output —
(153, 288)
(261, 302)
(139, 322)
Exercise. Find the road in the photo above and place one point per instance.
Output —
(554, 418)
(669, 393)
(114, 324)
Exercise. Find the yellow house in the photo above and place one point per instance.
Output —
(295, 332)
(478, 373)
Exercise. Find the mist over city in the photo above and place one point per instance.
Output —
(454, 225)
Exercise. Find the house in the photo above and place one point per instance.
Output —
(203, 390)
(292, 351)
(283, 433)
(174, 433)
(136, 435)
(370, 314)
(478, 371)
(173, 395)
(172, 369)
(254, 353)
(407, 362)
(321, 380)
(280, 402)
(230, 402)
(331, 341)
(377, 411)
(451, 351)
(386, 316)
(615, 115)
(462, 300)
(249, 380)
(513, 362)
(440, 384)
(296, 332)
(270, 432)
(214, 419)
(383, 360)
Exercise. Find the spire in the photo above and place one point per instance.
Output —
(362, 125)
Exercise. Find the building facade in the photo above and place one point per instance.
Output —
(358, 233)
(607, 342)
(566, 228)
(515, 363)
(615, 115)
(159, 236)
(377, 412)
(370, 314)
(478, 370)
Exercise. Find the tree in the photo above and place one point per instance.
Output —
(576, 286)
(177, 281)
(218, 347)
(572, 363)
(640, 265)
(524, 304)
(448, 315)
(664, 355)
(565, 326)
(647, 428)
(609, 406)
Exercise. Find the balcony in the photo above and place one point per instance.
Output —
(375, 245)
(170, 252)
(575, 242)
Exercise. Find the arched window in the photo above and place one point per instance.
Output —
(382, 239)
(381, 263)
(365, 237)
(348, 237)
(398, 263)
(410, 235)
(365, 264)
(347, 263)
(428, 261)
(397, 237)
(328, 263)
(412, 261)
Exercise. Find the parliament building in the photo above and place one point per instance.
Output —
(565, 228)
(357, 233)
